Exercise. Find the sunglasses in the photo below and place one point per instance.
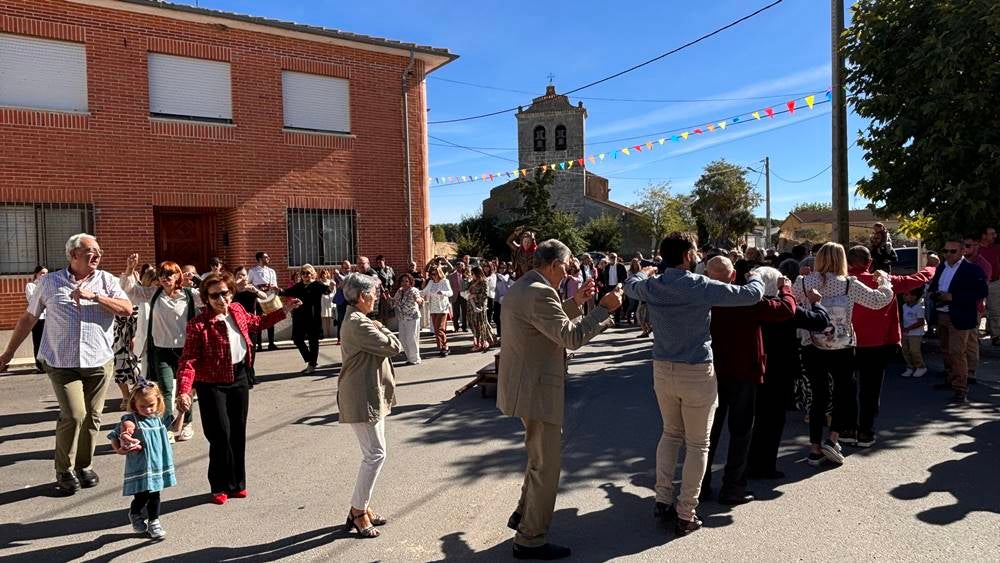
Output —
(219, 295)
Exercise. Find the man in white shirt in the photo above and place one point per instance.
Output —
(266, 280)
(76, 351)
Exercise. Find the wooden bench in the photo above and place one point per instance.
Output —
(486, 378)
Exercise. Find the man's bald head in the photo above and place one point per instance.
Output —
(720, 269)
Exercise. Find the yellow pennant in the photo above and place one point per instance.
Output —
(649, 144)
(662, 140)
(810, 100)
(625, 151)
(722, 125)
(685, 135)
(569, 164)
(756, 115)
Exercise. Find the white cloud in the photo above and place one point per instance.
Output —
(804, 79)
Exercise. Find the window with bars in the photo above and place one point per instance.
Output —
(321, 237)
(35, 234)
(560, 137)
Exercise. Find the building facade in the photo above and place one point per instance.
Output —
(184, 133)
(552, 130)
(817, 226)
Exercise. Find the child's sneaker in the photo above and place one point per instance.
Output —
(170, 437)
(156, 531)
(919, 372)
(138, 522)
(907, 373)
(186, 433)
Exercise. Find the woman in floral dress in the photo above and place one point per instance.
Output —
(482, 332)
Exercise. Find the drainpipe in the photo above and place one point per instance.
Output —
(406, 154)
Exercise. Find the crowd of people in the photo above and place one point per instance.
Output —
(740, 337)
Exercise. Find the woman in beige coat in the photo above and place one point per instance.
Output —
(366, 392)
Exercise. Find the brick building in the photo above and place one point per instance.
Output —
(183, 133)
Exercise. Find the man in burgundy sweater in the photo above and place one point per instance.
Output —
(738, 350)
(878, 336)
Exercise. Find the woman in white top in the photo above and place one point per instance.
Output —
(327, 308)
(831, 352)
(36, 331)
(436, 293)
(171, 306)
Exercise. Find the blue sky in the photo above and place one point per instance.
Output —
(516, 44)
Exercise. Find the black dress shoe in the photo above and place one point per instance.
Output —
(514, 521)
(685, 527)
(545, 552)
(664, 511)
(88, 478)
(67, 482)
(735, 499)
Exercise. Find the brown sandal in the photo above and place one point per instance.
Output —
(368, 531)
(375, 519)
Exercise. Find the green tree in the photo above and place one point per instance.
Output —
(664, 213)
(470, 242)
(603, 233)
(926, 75)
(536, 206)
(437, 231)
(723, 203)
(562, 226)
(815, 206)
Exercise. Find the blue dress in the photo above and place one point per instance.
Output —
(152, 468)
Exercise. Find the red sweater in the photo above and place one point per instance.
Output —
(206, 355)
(881, 327)
(737, 343)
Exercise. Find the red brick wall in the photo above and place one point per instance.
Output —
(124, 163)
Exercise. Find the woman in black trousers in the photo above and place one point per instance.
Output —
(307, 320)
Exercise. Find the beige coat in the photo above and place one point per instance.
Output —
(366, 390)
(537, 330)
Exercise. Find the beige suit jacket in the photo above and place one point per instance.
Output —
(537, 330)
(366, 388)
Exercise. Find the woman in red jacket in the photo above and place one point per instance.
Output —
(218, 362)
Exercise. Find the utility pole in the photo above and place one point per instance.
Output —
(841, 197)
(767, 205)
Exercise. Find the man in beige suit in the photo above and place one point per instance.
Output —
(537, 331)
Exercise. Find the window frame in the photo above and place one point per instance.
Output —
(186, 117)
(560, 129)
(41, 233)
(295, 218)
(78, 97)
(284, 101)
(536, 138)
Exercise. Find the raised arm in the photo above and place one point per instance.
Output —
(551, 320)
(869, 298)
(906, 284)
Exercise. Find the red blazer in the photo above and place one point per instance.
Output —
(737, 343)
(206, 355)
(881, 328)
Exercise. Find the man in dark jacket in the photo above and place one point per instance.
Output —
(738, 350)
(957, 288)
(614, 274)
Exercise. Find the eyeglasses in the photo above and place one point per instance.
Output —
(219, 295)
(92, 252)
(164, 275)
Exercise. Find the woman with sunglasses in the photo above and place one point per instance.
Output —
(307, 321)
(171, 306)
(218, 363)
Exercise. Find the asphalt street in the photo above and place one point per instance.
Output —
(927, 491)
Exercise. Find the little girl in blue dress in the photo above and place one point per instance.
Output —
(149, 462)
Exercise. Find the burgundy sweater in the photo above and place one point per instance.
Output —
(737, 343)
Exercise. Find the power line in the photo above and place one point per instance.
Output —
(813, 177)
(630, 69)
(632, 100)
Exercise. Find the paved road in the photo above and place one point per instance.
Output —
(927, 492)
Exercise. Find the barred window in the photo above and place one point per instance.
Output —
(35, 234)
(321, 237)
(539, 137)
(560, 137)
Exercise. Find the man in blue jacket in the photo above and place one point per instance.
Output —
(957, 288)
(680, 309)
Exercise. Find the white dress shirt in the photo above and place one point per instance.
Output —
(30, 290)
(612, 275)
(237, 346)
(77, 335)
(262, 275)
(944, 283)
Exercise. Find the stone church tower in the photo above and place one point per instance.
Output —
(552, 130)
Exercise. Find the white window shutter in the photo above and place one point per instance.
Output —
(320, 103)
(187, 87)
(42, 74)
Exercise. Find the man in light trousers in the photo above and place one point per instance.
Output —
(680, 304)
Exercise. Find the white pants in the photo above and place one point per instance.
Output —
(371, 437)
(409, 335)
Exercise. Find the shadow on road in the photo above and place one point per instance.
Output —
(270, 551)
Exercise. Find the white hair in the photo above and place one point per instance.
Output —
(355, 285)
(76, 241)
(770, 277)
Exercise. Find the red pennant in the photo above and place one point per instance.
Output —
(698, 131)
(638, 148)
(791, 106)
(579, 161)
(491, 177)
(769, 112)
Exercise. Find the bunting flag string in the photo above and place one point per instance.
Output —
(711, 127)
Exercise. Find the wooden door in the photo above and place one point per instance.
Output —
(185, 236)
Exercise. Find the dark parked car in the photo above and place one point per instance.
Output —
(906, 261)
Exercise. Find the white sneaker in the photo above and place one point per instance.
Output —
(186, 433)
(156, 530)
(170, 437)
(919, 372)
(907, 373)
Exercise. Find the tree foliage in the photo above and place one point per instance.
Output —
(536, 205)
(815, 206)
(663, 212)
(926, 74)
(562, 226)
(438, 233)
(603, 233)
(724, 200)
